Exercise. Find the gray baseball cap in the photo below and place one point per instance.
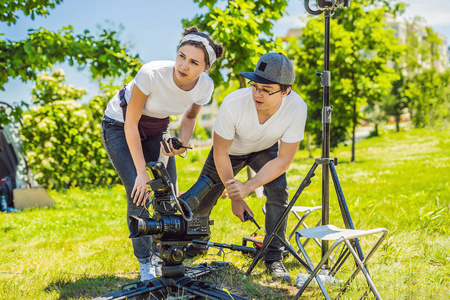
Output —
(272, 68)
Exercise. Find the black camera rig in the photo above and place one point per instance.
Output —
(174, 226)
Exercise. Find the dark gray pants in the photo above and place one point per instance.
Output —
(116, 146)
(275, 192)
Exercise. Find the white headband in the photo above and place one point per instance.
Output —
(205, 42)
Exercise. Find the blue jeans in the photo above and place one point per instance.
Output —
(275, 192)
(113, 136)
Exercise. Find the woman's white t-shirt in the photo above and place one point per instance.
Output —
(237, 120)
(165, 98)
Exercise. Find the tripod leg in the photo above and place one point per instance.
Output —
(344, 208)
(269, 239)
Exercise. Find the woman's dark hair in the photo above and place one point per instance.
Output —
(218, 49)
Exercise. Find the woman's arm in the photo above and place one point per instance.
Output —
(187, 127)
(134, 112)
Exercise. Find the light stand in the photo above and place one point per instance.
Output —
(328, 164)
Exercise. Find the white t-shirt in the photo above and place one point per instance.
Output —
(165, 98)
(237, 120)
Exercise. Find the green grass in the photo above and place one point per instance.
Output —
(79, 248)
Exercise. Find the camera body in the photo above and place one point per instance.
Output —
(173, 222)
(175, 143)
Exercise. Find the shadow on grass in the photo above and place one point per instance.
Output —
(257, 286)
(87, 287)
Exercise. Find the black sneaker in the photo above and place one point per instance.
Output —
(192, 252)
(277, 270)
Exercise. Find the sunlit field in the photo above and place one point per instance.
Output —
(79, 248)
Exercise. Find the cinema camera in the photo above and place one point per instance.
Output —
(173, 225)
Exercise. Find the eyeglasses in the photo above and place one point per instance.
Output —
(263, 92)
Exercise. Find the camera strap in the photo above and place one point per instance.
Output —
(148, 126)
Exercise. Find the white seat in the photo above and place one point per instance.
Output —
(343, 237)
(301, 213)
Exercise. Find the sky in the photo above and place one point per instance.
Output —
(153, 30)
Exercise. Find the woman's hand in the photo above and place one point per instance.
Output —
(140, 191)
(172, 150)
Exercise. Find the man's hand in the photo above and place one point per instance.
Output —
(237, 190)
(238, 207)
(140, 191)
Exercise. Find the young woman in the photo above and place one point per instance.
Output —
(136, 120)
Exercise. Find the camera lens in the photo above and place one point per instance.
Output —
(199, 190)
(144, 226)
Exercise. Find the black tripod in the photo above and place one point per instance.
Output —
(328, 164)
(175, 283)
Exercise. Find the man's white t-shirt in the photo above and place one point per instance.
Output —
(237, 120)
(165, 98)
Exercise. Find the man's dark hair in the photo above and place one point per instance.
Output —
(284, 87)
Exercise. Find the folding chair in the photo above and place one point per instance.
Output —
(301, 213)
(347, 237)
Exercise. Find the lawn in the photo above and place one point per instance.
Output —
(79, 248)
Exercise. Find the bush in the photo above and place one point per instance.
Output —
(64, 146)
(62, 140)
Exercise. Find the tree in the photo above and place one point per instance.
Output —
(105, 55)
(42, 49)
(422, 87)
(244, 29)
(361, 47)
(61, 139)
(8, 9)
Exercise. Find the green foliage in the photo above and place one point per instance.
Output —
(360, 46)
(11, 113)
(428, 93)
(243, 28)
(422, 88)
(8, 9)
(42, 49)
(62, 140)
(200, 132)
(51, 87)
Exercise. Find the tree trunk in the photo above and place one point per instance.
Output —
(308, 144)
(376, 129)
(397, 123)
(354, 131)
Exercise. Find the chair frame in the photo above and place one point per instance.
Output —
(347, 236)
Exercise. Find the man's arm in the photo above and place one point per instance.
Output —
(225, 170)
(271, 170)
(222, 159)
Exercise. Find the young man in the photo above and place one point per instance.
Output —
(260, 127)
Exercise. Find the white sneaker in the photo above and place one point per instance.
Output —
(147, 271)
(157, 263)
